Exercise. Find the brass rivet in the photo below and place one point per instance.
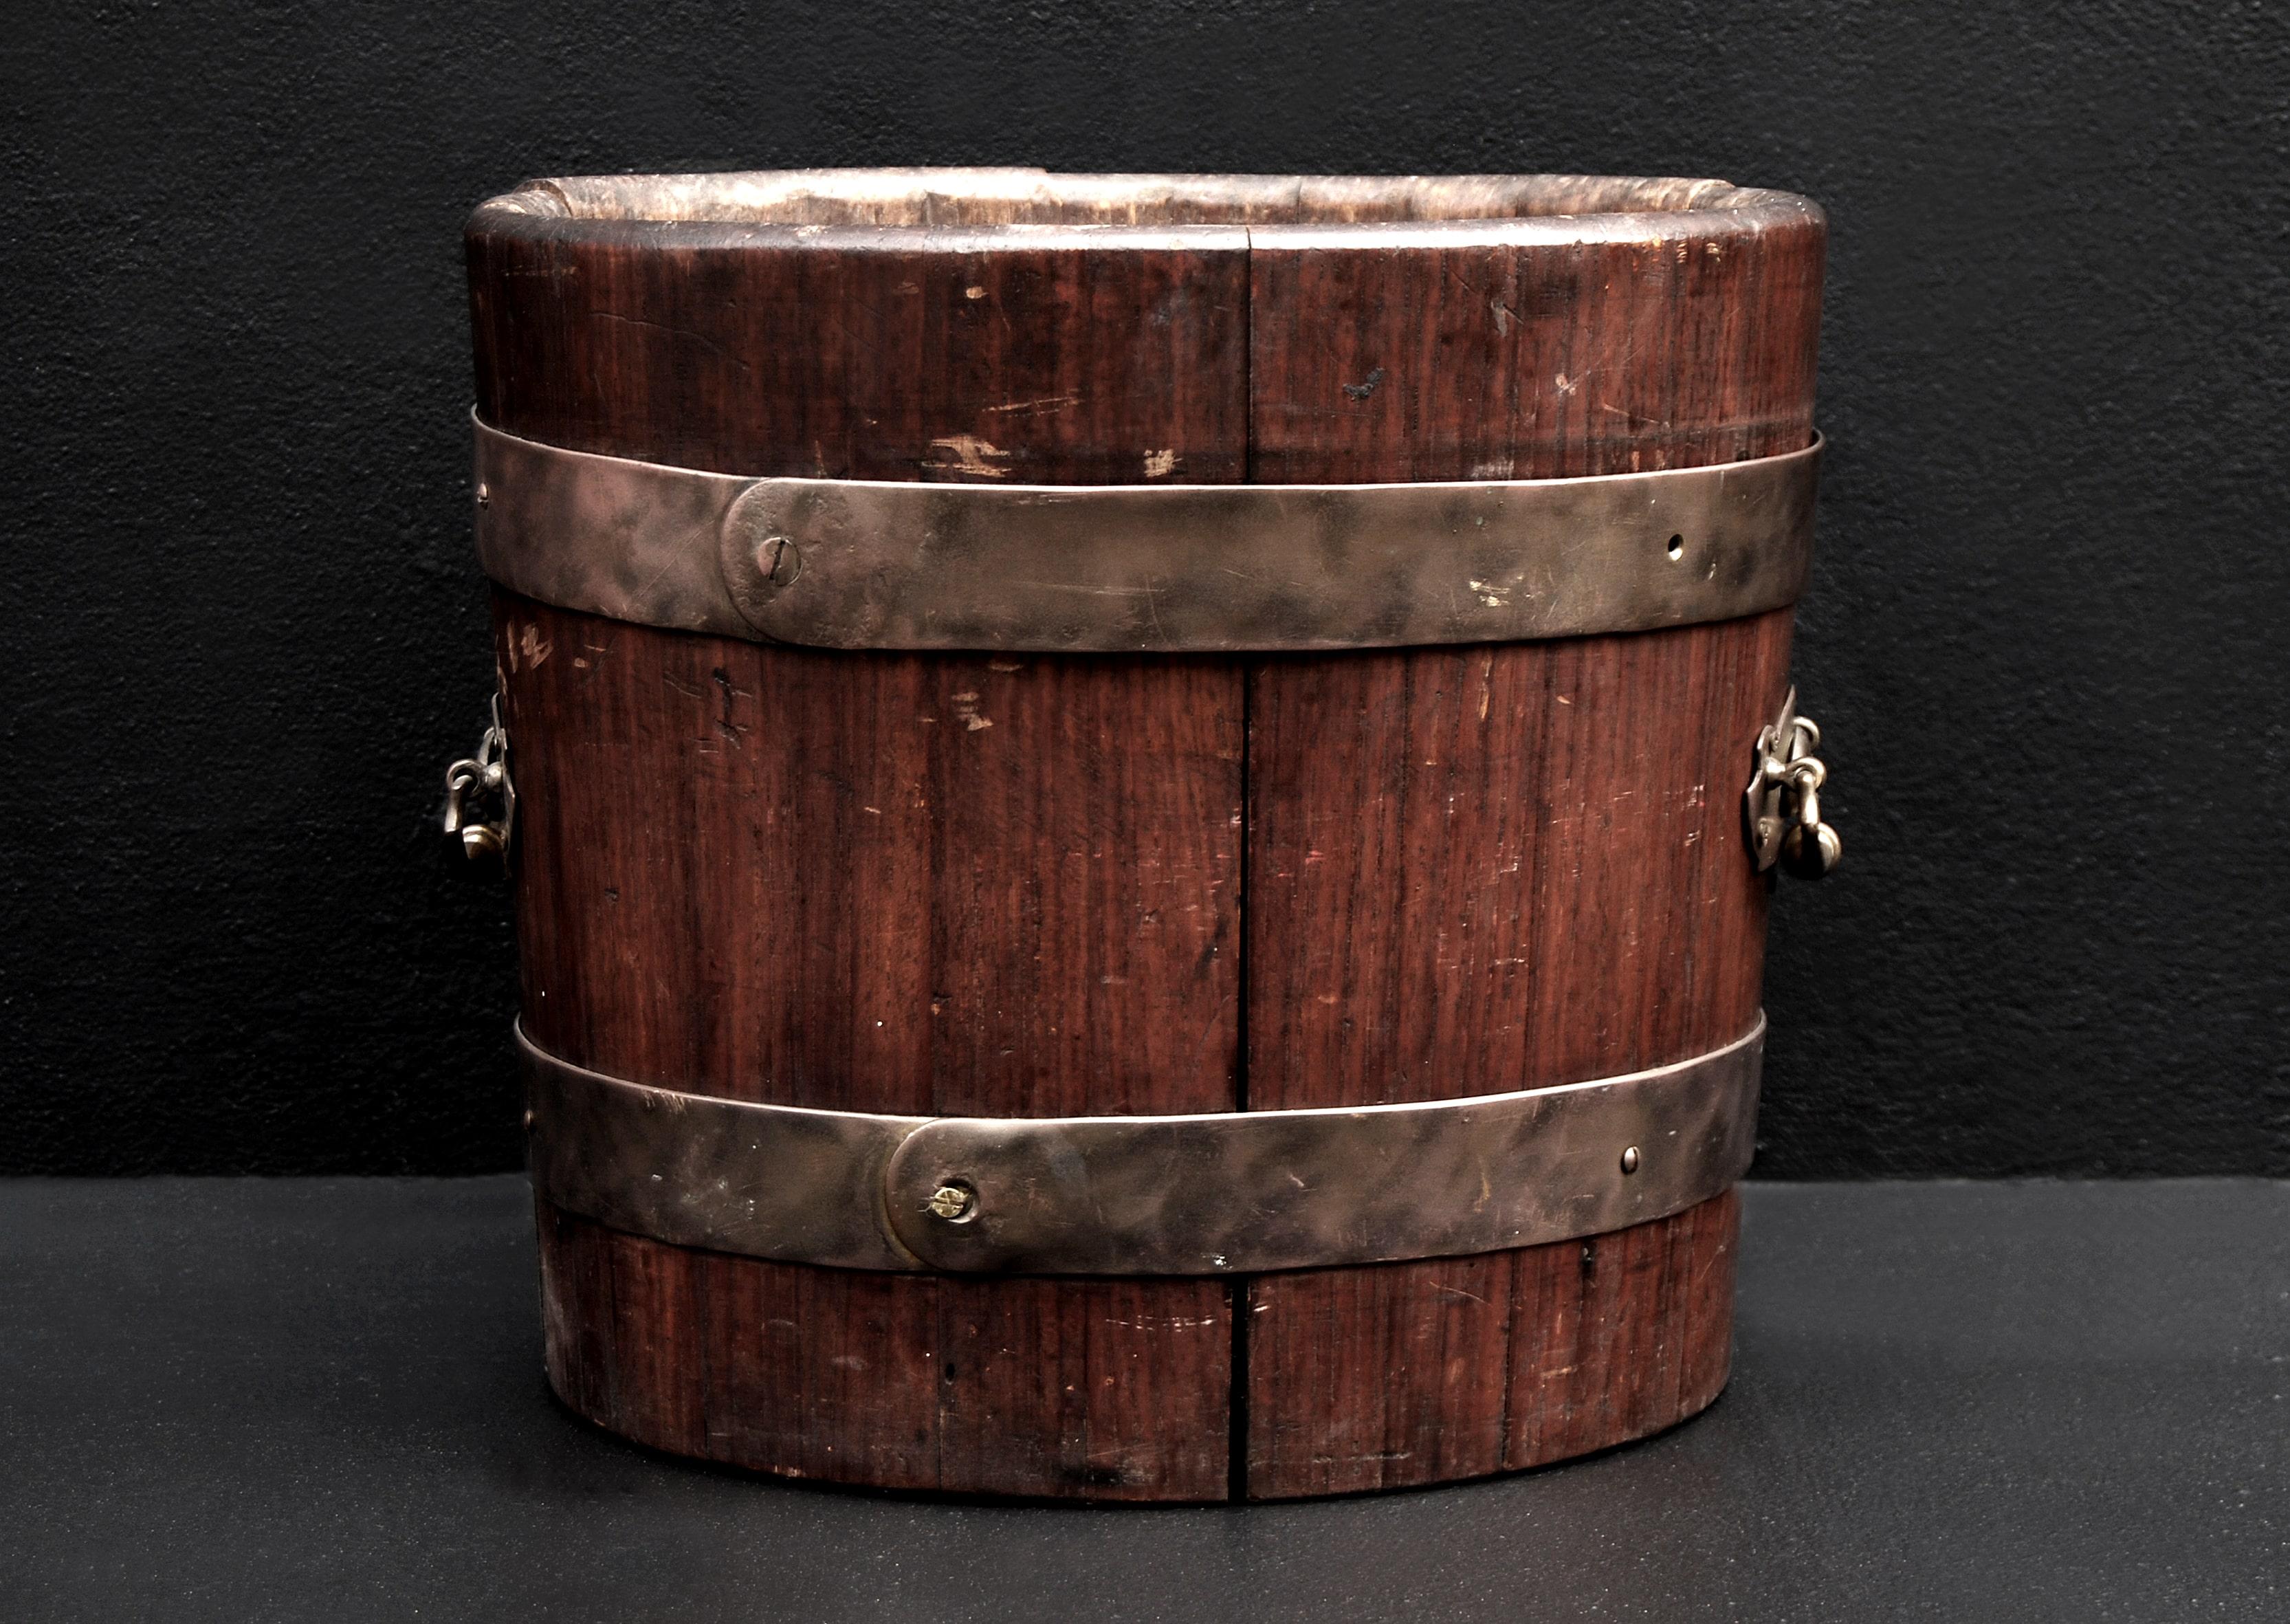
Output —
(956, 1203)
(484, 494)
(777, 557)
(528, 1122)
(1630, 1160)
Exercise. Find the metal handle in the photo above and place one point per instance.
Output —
(1781, 807)
(481, 781)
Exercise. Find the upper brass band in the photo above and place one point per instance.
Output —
(1166, 568)
(1208, 1194)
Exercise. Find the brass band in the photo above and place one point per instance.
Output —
(1166, 568)
(1236, 1192)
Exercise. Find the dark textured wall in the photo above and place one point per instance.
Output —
(244, 629)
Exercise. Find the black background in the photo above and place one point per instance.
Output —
(245, 630)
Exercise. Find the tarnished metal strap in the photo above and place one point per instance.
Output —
(859, 564)
(1232, 1192)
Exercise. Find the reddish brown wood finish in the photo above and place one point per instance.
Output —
(1499, 867)
(981, 885)
(1014, 885)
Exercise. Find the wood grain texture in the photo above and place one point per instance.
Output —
(1014, 885)
(1493, 867)
(976, 884)
(1025, 1386)
(1425, 1372)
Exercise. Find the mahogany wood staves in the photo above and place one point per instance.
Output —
(1021, 886)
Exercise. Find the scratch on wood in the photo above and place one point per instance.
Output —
(702, 340)
(966, 453)
(1028, 408)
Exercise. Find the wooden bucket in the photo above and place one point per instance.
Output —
(899, 803)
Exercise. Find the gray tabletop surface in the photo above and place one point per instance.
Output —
(252, 1400)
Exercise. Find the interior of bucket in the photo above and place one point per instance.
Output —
(912, 198)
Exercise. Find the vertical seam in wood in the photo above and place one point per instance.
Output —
(1391, 993)
(697, 1037)
(1502, 1360)
(935, 788)
(1237, 1418)
(1237, 1405)
(609, 1383)
(939, 1346)
(697, 1340)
